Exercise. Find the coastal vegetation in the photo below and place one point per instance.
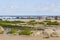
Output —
(26, 25)
(32, 22)
(41, 23)
(25, 32)
(12, 32)
(53, 23)
(26, 28)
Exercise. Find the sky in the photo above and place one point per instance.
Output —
(29, 7)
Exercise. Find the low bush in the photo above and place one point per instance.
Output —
(40, 22)
(12, 31)
(25, 32)
(53, 23)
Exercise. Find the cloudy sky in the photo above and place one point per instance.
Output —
(29, 7)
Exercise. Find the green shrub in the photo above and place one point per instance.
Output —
(53, 23)
(25, 32)
(40, 22)
(12, 31)
(31, 23)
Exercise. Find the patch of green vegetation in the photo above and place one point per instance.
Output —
(15, 26)
(40, 22)
(32, 22)
(25, 32)
(12, 22)
(53, 23)
(12, 32)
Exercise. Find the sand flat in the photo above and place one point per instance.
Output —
(55, 38)
(17, 37)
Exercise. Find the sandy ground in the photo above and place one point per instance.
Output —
(38, 20)
(55, 38)
(17, 37)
